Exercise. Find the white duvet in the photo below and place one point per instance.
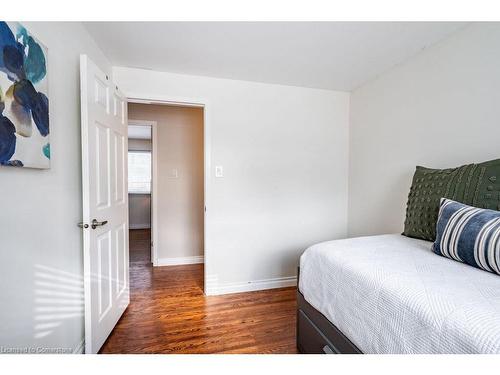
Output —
(392, 294)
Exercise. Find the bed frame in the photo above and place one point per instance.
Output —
(316, 334)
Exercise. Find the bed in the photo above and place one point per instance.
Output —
(392, 294)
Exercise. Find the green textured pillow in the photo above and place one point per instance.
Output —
(476, 185)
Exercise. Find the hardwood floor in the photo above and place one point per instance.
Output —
(168, 313)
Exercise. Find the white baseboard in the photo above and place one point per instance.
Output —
(214, 288)
(139, 226)
(80, 348)
(179, 260)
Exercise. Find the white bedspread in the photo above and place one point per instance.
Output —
(392, 294)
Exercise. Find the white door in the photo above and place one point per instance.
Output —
(105, 202)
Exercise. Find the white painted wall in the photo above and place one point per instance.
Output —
(284, 153)
(439, 109)
(40, 244)
(180, 198)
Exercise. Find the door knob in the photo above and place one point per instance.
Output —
(96, 223)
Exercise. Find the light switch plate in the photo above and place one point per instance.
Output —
(219, 171)
(174, 173)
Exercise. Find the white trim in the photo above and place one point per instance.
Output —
(211, 282)
(180, 260)
(80, 348)
(139, 226)
(170, 102)
(154, 186)
(85, 198)
(214, 288)
(145, 98)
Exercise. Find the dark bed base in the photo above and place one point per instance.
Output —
(316, 334)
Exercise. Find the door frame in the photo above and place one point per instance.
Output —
(154, 185)
(141, 98)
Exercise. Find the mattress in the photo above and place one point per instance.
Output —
(392, 294)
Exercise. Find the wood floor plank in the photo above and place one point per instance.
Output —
(168, 313)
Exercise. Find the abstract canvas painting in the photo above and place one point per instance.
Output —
(24, 102)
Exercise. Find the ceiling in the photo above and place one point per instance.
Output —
(328, 55)
(139, 132)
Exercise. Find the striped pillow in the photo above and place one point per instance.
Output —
(469, 235)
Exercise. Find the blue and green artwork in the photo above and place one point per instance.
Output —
(24, 102)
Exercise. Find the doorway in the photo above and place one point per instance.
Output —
(141, 136)
(176, 202)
